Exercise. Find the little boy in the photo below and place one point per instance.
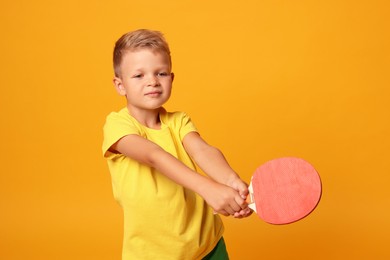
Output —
(169, 209)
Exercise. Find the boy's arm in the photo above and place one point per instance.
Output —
(221, 198)
(213, 163)
(211, 160)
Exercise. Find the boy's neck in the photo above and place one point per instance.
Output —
(148, 118)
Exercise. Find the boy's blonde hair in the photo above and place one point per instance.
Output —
(139, 39)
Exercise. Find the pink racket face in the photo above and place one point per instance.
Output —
(285, 190)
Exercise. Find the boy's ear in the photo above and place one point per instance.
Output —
(172, 76)
(119, 86)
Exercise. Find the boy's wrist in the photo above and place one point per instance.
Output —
(203, 186)
(235, 182)
(232, 179)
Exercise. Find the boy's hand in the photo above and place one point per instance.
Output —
(237, 184)
(223, 199)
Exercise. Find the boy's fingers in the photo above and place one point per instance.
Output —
(247, 212)
(235, 207)
(238, 215)
(243, 213)
(241, 202)
(244, 191)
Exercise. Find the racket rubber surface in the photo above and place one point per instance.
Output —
(285, 190)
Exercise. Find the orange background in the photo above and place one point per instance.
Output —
(261, 79)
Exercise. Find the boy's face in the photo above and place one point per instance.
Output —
(146, 79)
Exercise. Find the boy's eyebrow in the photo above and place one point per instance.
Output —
(163, 67)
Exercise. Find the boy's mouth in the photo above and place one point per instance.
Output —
(153, 93)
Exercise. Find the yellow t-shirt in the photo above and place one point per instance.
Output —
(162, 220)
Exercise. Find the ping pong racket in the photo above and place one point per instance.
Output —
(284, 190)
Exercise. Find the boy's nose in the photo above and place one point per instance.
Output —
(152, 81)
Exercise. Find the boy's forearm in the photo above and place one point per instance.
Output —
(222, 198)
(214, 164)
(178, 171)
(156, 157)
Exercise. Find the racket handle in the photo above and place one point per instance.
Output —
(251, 204)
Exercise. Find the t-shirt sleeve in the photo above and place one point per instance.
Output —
(186, 126)
(116, 127)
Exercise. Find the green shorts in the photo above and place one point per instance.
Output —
(219, 252)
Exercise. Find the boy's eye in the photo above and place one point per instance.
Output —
(162, 74)
(137, 76)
